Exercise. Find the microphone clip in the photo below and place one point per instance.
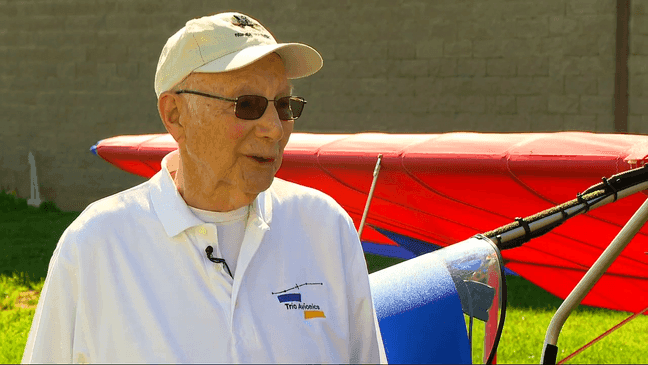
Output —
(210, 250)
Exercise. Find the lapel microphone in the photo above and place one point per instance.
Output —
(209, 250)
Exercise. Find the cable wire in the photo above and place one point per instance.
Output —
(601, 336)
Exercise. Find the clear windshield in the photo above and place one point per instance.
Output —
(474, 266)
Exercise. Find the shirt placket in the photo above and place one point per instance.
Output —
(219, 280)
(243, 331)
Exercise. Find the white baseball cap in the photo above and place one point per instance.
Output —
(225, 42)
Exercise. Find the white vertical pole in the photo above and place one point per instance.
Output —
(35, 195)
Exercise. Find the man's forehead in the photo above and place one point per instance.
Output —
(222, 82)
(249, 88)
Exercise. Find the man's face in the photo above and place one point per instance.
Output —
(223, 150)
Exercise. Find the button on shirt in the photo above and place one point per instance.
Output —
(224, 232)
(129, 281)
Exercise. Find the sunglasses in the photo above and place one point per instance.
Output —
(251, 107)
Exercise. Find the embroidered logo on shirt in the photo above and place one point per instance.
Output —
(293, 301)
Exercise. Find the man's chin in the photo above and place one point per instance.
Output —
(259, 186)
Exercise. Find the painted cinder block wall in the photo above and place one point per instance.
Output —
(73, 72)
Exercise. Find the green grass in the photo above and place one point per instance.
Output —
(529, 312)
(28, 237)
(17, 307)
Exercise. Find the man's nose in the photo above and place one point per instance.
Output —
(269, 125)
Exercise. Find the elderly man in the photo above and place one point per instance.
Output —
(212, 259)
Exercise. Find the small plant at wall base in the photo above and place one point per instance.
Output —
(11, 202)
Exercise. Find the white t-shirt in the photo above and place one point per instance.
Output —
(230, 229)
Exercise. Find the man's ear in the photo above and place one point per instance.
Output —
(170, 107)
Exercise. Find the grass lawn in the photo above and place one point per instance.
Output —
(530, 310)
(28, 238)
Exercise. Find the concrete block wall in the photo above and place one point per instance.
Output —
(496, 66)
(638, 68)
(73, 72)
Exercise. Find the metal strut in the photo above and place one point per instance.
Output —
(550, 349)
(609, 190)
(371, 191)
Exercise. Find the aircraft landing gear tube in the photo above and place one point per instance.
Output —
(550, 349)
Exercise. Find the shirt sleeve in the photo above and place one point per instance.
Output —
(366, 341)
(52, 331)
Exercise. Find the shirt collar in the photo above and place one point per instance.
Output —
(171, 208)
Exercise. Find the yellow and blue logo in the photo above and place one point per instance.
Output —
(293, 301)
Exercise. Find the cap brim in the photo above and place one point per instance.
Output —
(299, 59)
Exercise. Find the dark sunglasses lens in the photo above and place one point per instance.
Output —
(289, 108)
(296, 105)
(251, 107)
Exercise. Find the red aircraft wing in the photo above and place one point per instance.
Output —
(444, 188)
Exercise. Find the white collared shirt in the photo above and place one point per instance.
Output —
(129, 281)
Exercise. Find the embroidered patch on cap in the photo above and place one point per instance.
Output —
(243, 21)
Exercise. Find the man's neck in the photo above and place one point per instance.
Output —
(201, 194)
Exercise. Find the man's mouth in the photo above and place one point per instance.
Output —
(261, 159)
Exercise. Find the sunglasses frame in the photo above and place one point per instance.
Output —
(235, 101)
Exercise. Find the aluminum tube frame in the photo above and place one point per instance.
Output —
(371, 192)
(592, 275)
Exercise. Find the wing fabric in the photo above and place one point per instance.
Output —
(444, 188)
